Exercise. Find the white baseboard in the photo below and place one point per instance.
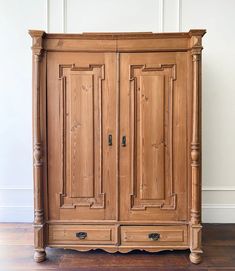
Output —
(213, 212)
(218, 188)
(16, 213)
(218, 213)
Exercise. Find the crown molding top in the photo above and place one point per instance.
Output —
(118, 41)
(117, 35)
(36, 33)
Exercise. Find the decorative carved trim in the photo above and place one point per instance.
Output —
(170, 202)
(162, 204)
(126, 35)
(37, 154)
(121, 249)
(146, 68)
(39, 242)
(197, 32)
(195, 243)
(37, 145)
(196, 41)
(73, 67)
(195, 227)
(98, 201)
(38, 216)
(195, 144)
(37, 41)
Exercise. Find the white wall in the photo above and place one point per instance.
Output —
(217, 16)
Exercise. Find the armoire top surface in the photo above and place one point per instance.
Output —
(118, 35)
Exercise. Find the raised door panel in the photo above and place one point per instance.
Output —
(81, 117)
(82, 137)
(153, 164)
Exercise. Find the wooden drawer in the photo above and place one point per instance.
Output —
(154, 235)
(82, 234)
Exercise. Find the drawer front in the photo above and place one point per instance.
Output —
(82, 234)
(154, 235)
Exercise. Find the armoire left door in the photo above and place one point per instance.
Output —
(81, 139)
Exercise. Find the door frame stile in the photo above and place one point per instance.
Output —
(117, 130)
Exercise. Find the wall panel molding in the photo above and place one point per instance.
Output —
(16, 188)
(64, 16)
(179, 15)
(218, 188)
(161, 15)
(16, 206)
(218, 206)
(47, 16)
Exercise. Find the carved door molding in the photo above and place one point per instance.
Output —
(141, 78)
(81, 136)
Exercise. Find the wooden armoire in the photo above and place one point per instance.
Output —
(116, 141)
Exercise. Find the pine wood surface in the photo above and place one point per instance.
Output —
(16, 245)
(116, 140)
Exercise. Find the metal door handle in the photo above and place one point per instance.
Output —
(110, 140)
(124, 141)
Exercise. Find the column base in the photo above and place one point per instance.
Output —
(195, 257)
(39, 256)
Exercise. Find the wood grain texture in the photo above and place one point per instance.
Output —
(195, 226)
(151, 123)
(95, 234)
(82, 111)
(140, 235)
(16, 244)
(123, 42)
(116, 132)
(38, 157)
(152, 143)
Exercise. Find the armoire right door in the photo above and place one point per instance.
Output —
(153, 137)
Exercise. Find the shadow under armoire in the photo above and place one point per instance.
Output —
(116, 138)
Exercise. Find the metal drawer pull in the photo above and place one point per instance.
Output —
(124, 141)
(110, 140)
(154, 236)
(81, 235)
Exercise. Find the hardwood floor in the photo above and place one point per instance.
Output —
(16, 253)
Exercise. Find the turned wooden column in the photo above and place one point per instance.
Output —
(39, 240)
(195, 222)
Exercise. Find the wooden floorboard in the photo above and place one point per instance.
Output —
(16, 253)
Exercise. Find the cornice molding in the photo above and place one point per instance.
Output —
(118, 35)
(196, 40)
(197, 32)
(37, 41)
